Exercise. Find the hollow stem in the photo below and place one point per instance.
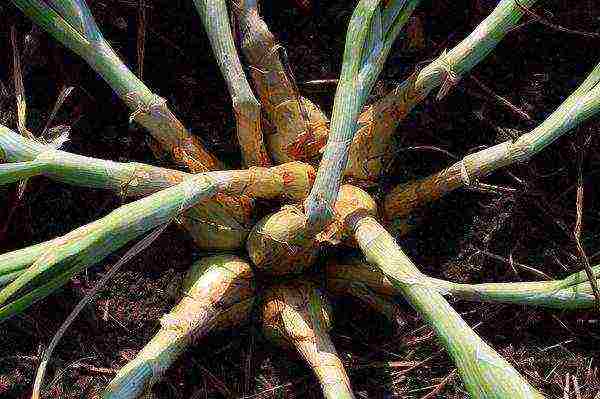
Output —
(296, 316)
(66, 256)
(290, 181)
(300, 128)
(484, 372)
(222, 222)
(12, 264)
(572, 292)
(218, 294)
(581, 105)
(371, 149)
(247, 109)
(371, 32)
(72, 24)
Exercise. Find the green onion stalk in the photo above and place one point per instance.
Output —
(247, 109)
(71, 23)
(218, 293)
(580, 106)
(221, 223)
(211, 224)
(297, 316)
(299, 128)
(484, 372)
(14, 263)
(65, 256)
(372, 30)
(371, 149)
(348, 199)
(572, 292)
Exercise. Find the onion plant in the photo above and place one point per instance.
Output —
(72, 24)
(372, 30)
(217, 206)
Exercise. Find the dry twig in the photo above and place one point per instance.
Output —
(583, 258)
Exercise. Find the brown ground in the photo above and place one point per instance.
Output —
(535, 68)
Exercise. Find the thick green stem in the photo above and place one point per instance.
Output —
(292, 180)
(484, 372)
(77, 30)
(371, 32)
(371, 148)
(12, 264)
(572, 292)
(247, 109)
(218, 294)
(222, 222)
(580, 106)
(91, 243)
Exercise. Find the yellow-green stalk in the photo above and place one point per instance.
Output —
(371, 149)
(247, 109)
(65, 256)
(218, 293)
(220, 223)
(299, 127)
(484, 372)
(580, 106)
(371, 32)
(297, 316)
(572, 292)
(71, 23)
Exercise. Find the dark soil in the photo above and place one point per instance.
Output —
(535, 68)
